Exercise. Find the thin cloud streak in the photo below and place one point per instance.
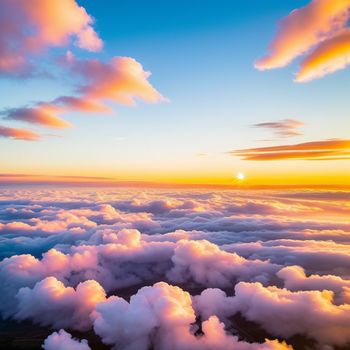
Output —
(283, 128)
(19, 134)
(336, 149)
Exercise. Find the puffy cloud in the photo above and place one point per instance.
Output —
(161, 306)
(336, 149)
(304, 28)
(27, 29)
(295, 279)
(283, 128)
(120, 80)
(51, 303)
(63, 341)
(285, 313)
(162, 316)
(206, 264)
(319, 27)
(325, 257)
(19, 134)
(215, 337)
(214, 301)
(120, 240)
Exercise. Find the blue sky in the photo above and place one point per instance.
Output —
(201, 55)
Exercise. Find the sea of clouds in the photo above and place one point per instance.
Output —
(178, 269)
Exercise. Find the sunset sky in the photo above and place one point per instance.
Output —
(187, 92)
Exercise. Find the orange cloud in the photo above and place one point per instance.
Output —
(120, 80)
(331, 55)
(43, 114)
(283, 128)
(18, 134)
(320, 27)
(28, 27)
(302, 29)
(80, 104)
(315, 150)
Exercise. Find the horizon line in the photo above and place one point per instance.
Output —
(9, 179)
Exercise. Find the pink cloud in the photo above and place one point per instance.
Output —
(44, 114)
(51, 303)
(18, 134)
(63, 341)
(28, 28)
(121, 80)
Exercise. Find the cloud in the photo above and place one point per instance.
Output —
(319, 26)
(285, 313)
(315, 256)
(304, 28)
(283, 128)
(206, 264)
(335, 149)
(51, 303)
(122, 80)
(155, 253)
(26, 31)
(80, 104)
(162, 317)
(329, 56)
(295, 279)
(63, 341)
(18, 134)
(44, 115)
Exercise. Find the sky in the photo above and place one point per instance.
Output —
(228, 79)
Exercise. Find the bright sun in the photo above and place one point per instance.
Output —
(240, 176)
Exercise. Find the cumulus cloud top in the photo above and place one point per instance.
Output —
(64, 341)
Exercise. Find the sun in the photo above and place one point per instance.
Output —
(240, 176)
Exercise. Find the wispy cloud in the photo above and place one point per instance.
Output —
(334, 149)
(18, 134)
(282, 128)
(319, 26)
(44, 115)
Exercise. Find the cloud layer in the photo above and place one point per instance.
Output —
(178, 269)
